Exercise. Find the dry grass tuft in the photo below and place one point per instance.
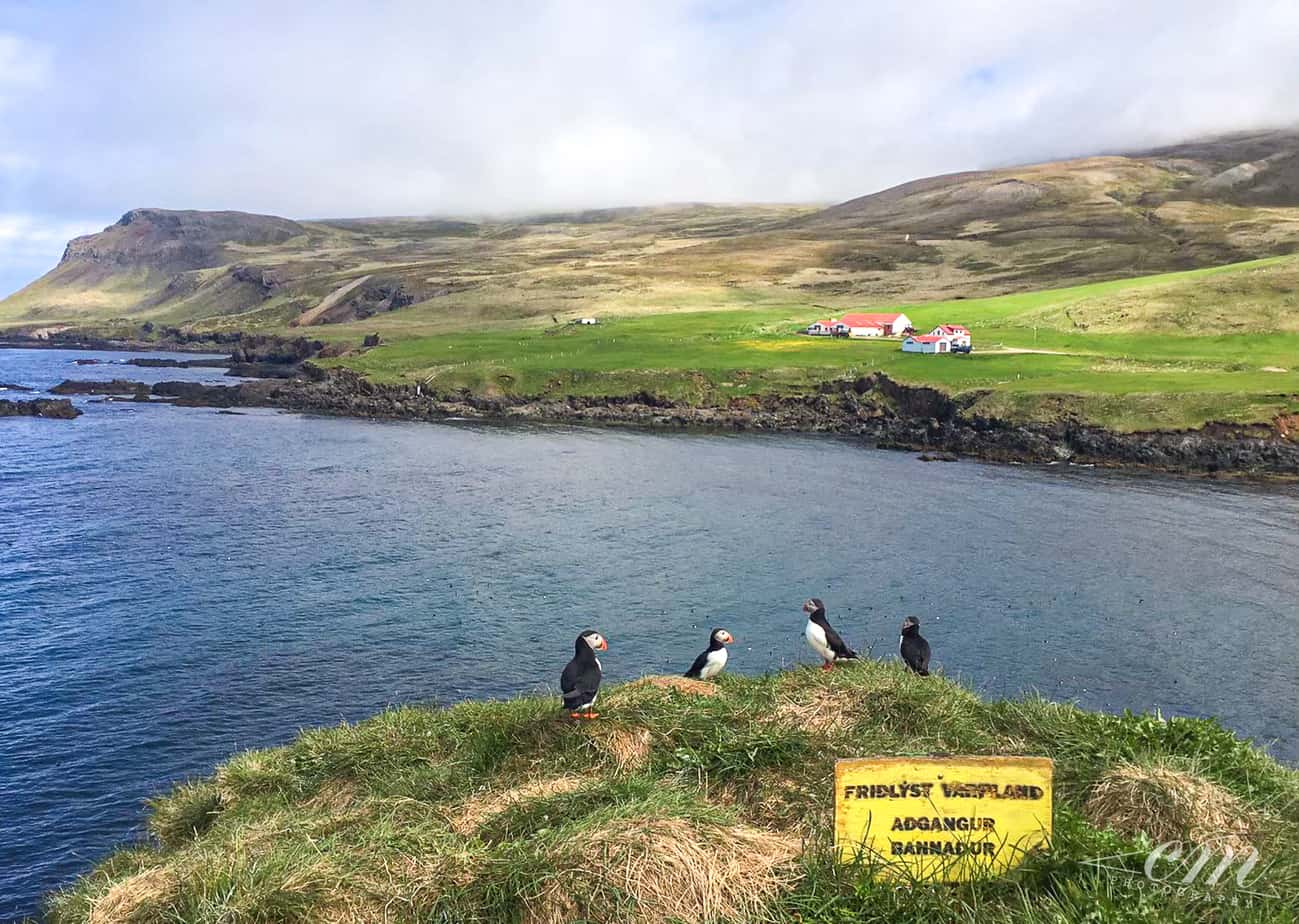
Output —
(660, 685)
(676, 870)
(487, 804)
(628, 747)
(773, 799)
(1169, 805)
(399, 887)
(820, 712)
(134, 896)
(337, 797)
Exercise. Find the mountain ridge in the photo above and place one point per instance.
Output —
(1199, 203)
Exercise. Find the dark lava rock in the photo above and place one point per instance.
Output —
(371, 340)
(53, 408)
(152, 363)
(10, 386)
(83, 387)
(87, 362)
(263, 370)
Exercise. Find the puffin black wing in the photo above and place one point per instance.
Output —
(580, 681)
(841, 651)
(696, 669)
(915, 652)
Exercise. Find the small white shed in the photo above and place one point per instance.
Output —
(927, 343)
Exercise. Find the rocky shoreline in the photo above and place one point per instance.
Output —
(52, 408)
(874, 408)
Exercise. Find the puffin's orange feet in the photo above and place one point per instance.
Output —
(575, 715)
(590, 715)
(827, 666)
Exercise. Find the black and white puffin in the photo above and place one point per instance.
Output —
(580, 681)
(823, 639)
(913, 647)
(712, 660)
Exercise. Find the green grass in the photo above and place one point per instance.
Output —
(416, 814)
(1124, 379)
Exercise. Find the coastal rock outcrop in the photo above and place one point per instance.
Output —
(112, 387)
(884, 412)
(876, 408)
(53, 408)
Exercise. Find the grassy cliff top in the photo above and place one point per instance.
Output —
(686, 802)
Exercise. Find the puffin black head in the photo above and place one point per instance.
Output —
(719, 638)
(814, 606)
(910, 626)
(592, 640)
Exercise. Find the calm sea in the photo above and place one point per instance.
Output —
(179, 584)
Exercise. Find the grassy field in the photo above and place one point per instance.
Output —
(1131, 354)
(689, 803)
(1130, 276)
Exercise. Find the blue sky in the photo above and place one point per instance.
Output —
(335, 109)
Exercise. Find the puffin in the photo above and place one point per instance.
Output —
(712, 660)
(580, 681)
(823, 639)
(913, 647)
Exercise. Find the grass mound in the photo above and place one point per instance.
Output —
(1166, 804)
(668, 682)
(676, 806)
(483, 806)
(663, 870)
(133, 897)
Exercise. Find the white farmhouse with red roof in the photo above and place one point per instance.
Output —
(958, 334)
(891, 324)
(888, 324)
(878, 324)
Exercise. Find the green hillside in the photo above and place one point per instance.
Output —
(1152, 290)
(961, 235)
(688, 802)
(1168, 362)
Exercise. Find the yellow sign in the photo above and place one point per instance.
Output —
(948, 818)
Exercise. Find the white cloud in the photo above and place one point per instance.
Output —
(30, 245)
(24, 66)
(332, 108)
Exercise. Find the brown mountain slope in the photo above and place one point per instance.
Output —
(1202, 203)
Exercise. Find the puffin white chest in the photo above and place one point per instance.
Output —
(816, 638)
(713, 664)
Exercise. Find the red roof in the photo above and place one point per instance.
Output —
(870, 320)
(926, 338)
(953, 329)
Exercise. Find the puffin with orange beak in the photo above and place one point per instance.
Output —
(580, 681)
(712, 660)
(822, 638)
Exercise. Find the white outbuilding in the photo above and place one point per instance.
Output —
(927, 343)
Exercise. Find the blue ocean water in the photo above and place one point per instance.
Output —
(179, 584)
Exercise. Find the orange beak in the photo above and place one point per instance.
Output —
(729, 638)
(604, 645)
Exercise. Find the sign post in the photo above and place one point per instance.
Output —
(944, 818)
